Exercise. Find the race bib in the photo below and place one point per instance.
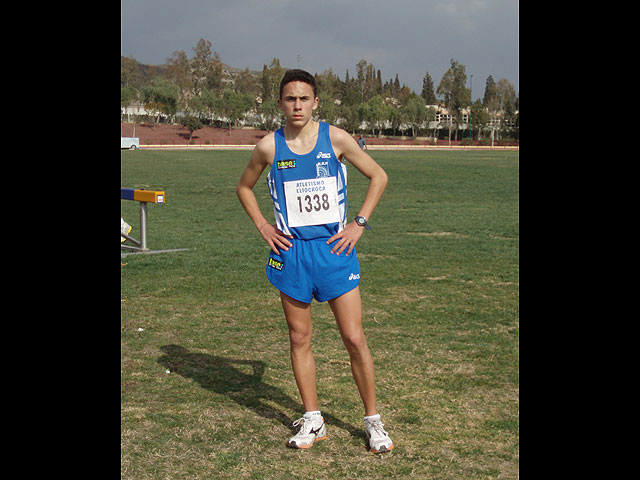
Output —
(312, 202)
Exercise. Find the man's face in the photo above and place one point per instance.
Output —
(297, 103)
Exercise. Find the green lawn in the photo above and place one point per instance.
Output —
(440, 283)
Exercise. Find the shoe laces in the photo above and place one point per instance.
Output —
(306, 423)
(377, 427)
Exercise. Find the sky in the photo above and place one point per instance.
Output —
(407, 37)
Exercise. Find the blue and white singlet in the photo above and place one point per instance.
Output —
(309, 192)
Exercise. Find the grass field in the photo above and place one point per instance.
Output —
(440, 282)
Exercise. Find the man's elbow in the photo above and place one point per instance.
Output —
(240, 190)
(382, 178)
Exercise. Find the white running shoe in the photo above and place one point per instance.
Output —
(312, 430)
(378, 438)
(124, 228)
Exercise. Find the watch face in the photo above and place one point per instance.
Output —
(360, 220)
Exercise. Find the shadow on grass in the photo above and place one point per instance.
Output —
(221, 375)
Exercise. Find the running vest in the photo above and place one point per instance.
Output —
(309, 192)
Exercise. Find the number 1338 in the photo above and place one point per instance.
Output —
(315, 202)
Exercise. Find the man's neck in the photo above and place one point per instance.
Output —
(303, 139)
(309, 130)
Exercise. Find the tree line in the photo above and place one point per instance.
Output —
(197, 91)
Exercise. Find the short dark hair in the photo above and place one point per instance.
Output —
(297, 75)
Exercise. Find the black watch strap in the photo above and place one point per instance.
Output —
(362, 222)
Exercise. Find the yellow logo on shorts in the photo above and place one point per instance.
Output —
(273, 263)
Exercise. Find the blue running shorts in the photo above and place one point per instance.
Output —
(308, 270)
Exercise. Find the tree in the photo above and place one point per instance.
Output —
(195, 85)
(370, 84)
(207, 104)
(490, 102)
(350, 117)
(455, 94)
(395, 90)
(366, 81)
(128, 95)
(506, 95)
(179, 72)
(361, 79)
(490, 94)
(403, 94)
(499, 99)
(234, 105)
(394, 118)
(329, 84)
(271, 77)
(375, 113)
(351, 91)
(430, 118)
(161, 97)
(479, 117)
(414, 112)
(192, 122)
(427, 90)
(326, 107)
(129, 72)
(246, 82)
(271, 113)
(206, 68)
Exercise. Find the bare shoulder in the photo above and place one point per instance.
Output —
(265, 150)
(340, 136)
(342, 141)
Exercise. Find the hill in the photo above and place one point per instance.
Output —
(229, 73)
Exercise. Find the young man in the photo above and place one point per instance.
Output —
(312, 243)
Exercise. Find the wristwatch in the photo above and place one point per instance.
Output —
(362, 222)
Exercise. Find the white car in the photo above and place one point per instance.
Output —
(129, 142)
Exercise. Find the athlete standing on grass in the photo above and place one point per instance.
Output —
(312, 243)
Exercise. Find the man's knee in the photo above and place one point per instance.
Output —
(300, 339)
(355, 341)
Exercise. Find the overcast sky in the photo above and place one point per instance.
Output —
(407, 37)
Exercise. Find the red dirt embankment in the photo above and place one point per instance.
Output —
(163, 134)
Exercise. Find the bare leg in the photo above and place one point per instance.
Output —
(348, 312)
(298, 315)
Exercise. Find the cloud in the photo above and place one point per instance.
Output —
(408, 37)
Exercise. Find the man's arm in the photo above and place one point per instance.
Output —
(345, 146)
(261, 156)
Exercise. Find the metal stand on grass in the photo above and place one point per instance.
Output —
(144, 197)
